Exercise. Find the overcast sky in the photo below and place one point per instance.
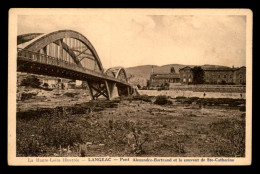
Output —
(132, 40)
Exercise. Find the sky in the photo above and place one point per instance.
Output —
(134, 40)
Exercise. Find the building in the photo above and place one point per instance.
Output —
(161, 79)
(186, 75)
(51, 82)
(240, 75)
(216, 75)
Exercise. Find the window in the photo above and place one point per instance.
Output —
(225, 76)
(231, 76)
(218, 76)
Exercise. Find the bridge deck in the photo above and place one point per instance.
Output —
(42, 59)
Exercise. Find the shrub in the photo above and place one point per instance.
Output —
(145, 98)
(223, 82)
(194, 98)
(70, 94)
(233, 136)
(180, 97)
(233, 104)
(31, 81)
(242, 108)
(52, 129)
(136, 138)
(162, 100)
(26, 96)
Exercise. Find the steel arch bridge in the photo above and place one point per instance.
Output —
(69, 54)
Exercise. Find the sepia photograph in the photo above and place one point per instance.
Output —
(130, 87)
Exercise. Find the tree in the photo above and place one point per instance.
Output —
(223, 82)
(148, 83)
(31, 81)
(172, 70)
(198, 75)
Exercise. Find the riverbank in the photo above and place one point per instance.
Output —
(182, 93)
(131, 127)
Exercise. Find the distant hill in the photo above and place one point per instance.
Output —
(142, 73)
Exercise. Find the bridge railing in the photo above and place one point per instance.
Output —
(46, 59)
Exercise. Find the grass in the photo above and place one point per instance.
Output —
(162, 100)
(232, 139)
(211, 101)
(128, 127)
(144, 98)
(71, 94)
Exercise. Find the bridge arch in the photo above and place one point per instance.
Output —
(48, 54)
(120, 74)
(117, 72)
(40, 41)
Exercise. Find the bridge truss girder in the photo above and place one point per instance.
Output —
(34, 57)
(107, 89)
(40, 42)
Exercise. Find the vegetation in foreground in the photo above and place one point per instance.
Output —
(133, 126)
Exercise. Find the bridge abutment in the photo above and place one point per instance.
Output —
(112, 90)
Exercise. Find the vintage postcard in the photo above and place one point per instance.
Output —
(129, 87)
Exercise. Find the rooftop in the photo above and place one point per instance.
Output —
(215, 68)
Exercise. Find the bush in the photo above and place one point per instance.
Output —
(145, 98)
(242, 108)
(223, 82)
(52, 129)
(231, 83)
(180, 97)
(162, 100)
(233, 104)
(31, 81)
(70, 94)
(233, 137)
(26, 96)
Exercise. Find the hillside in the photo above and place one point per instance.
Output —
(139, 74)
